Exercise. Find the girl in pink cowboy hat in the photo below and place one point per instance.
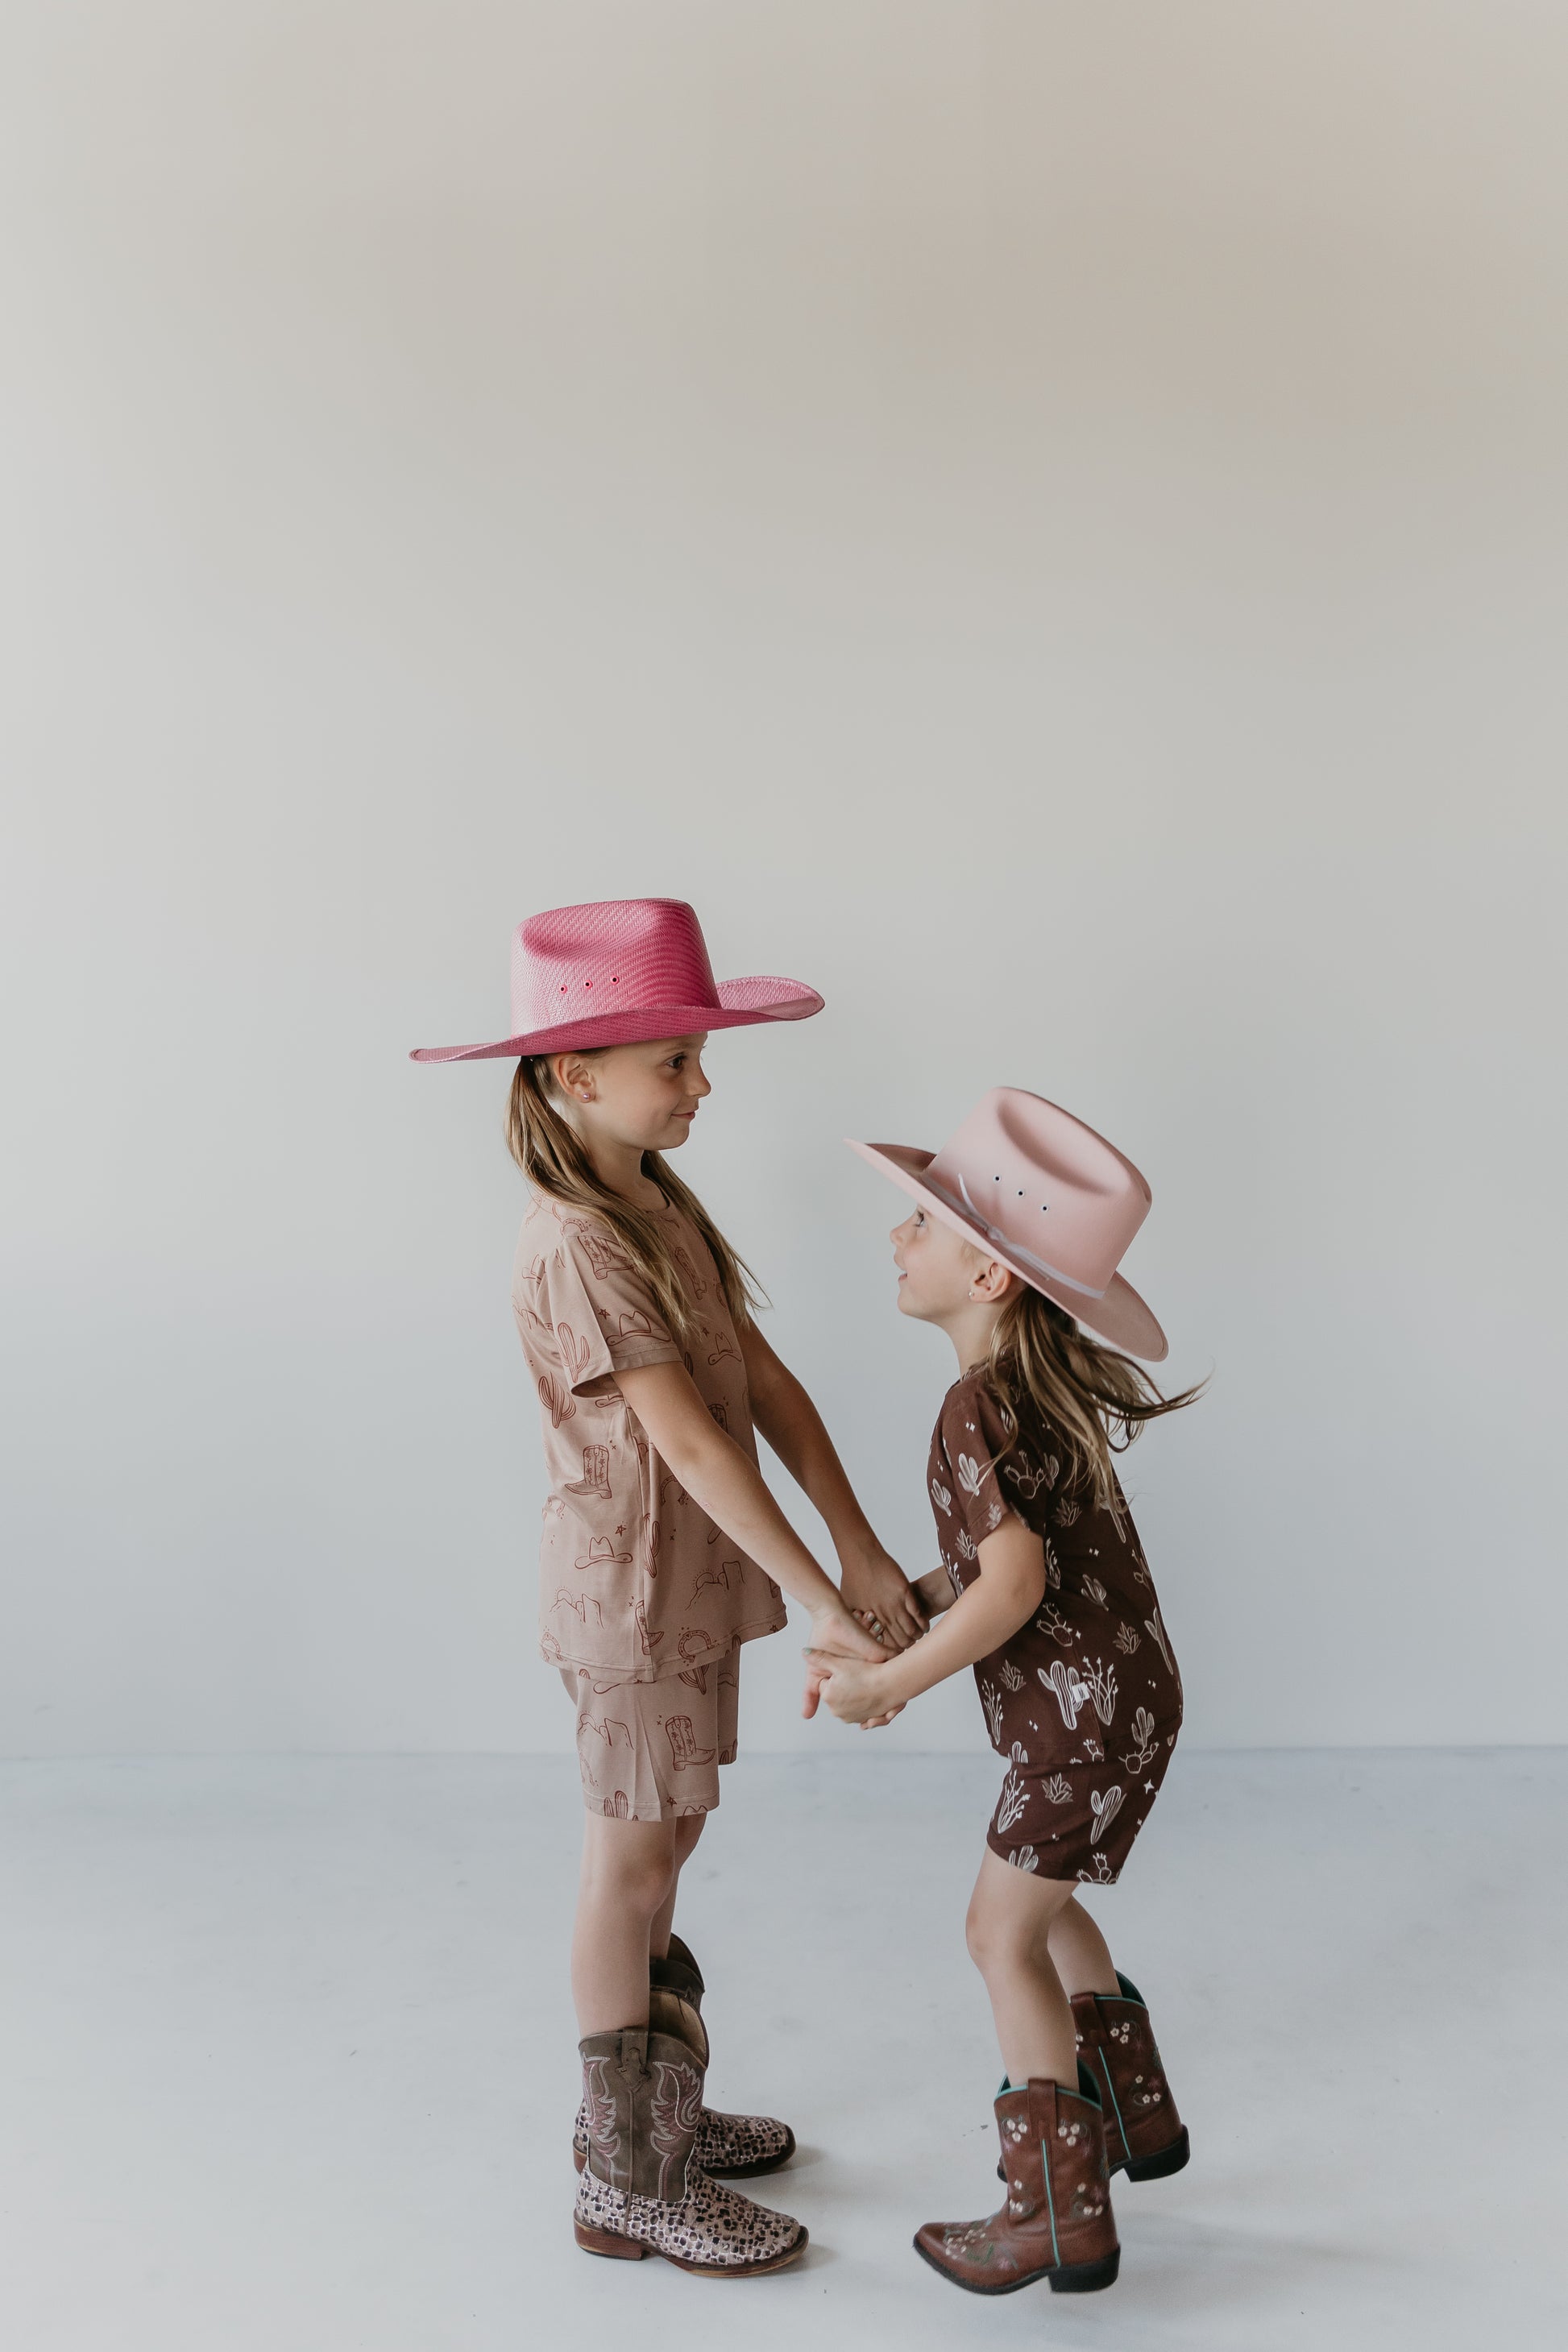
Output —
(1012, 1249)
(661, 1544)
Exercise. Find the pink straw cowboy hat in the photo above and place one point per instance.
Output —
(618, 972)
(1052, 1199)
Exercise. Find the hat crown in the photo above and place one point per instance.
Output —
(1043, 1185)
(612, 956)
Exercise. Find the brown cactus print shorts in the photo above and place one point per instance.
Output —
(651, 1751)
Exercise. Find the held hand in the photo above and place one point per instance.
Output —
(818, 1663)
(874, 1586)
(836, 1633)
(852, 1688)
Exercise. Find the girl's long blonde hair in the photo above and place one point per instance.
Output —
(1043, 1368)
(551, 1155)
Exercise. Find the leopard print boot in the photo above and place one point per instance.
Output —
(735, 2148)
(1144, 2136)
(1056, 2224)
(643, 2191)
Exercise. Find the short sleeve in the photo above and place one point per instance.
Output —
(972, 1437)
(604, 1314)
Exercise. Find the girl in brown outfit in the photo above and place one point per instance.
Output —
(1013, 1246)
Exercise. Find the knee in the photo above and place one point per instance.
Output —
(637, 1883)
(646, 1889)
(992, 1941)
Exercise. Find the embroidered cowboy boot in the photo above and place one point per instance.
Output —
(1144, 2136)
(1056, 2224)
(643, 2191)
(735, 2148)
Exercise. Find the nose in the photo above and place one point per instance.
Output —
(701, 1083)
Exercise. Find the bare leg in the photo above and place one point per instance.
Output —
(687, 1830)
(1081, 1955)
(629, 1869)
(1009, 1926)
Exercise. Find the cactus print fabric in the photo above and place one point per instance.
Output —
(637, 1584)
(1085, 1701)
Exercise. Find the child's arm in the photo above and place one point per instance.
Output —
(872, 1580)
(935, 1591)
(729, 1486)
(1004, 1595)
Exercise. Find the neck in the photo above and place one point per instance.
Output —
(971, 1328)
(618, 1167)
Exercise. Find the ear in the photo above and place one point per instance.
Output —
(993, 1282)
(573, 1077)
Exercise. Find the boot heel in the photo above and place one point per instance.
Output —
(607, 2241)
(1168, 2160)
(1086, 2278)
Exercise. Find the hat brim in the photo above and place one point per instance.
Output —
(741, 1003)
(1118, 1315)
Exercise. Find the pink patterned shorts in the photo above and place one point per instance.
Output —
(651, 1751)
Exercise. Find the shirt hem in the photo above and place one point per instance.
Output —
(660, 1672)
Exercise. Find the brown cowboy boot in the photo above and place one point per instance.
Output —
(735, 2148)
(643, 2191)
(1144, 2136)
(1056, 2224)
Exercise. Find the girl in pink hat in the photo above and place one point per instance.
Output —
(1012, 1249)
(663, 1551)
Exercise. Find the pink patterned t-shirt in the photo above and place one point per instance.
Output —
(636, 1580)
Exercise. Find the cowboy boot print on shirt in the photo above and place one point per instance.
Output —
(595, 1478)
(605, 1254)
(650, 1642)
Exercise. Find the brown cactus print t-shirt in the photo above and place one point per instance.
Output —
(636, 1580)
(1084, 1701)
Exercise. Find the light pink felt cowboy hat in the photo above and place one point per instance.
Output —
(1050, 1198)
(617, 972)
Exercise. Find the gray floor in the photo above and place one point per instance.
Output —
(288, 2058)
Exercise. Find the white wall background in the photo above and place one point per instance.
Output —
(1046, 521)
